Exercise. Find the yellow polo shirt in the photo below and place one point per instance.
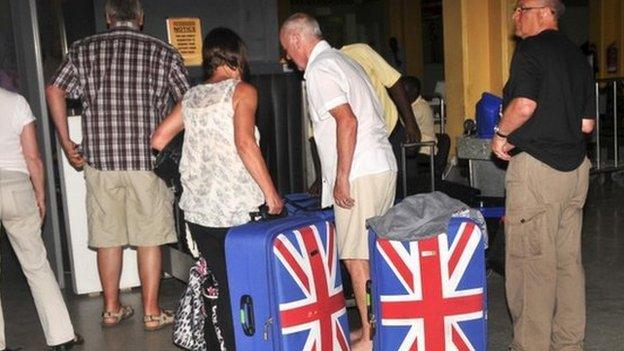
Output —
(381, 75)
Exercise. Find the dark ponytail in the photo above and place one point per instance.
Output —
(222, 46)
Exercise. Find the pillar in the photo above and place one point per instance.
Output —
(405, 24)
(478, 45)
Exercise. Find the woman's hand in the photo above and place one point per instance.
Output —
(30, 150)
(41, 205)
(275, 204)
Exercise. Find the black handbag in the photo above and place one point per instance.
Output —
(167, 163)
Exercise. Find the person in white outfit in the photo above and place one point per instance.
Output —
(22, 209)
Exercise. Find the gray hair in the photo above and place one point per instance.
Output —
(303, 23)
(557, 6)
(124, 10)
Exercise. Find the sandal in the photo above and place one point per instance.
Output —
(163, 319)
(124, 312)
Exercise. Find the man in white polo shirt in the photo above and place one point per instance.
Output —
(358, 166)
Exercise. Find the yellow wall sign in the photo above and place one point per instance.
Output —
(185, 34)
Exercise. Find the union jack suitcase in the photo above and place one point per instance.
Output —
(430, 295)
(285, 285)
(303, 202)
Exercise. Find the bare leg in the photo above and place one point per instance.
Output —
(109, 260)
(360, 274)
(150, 266)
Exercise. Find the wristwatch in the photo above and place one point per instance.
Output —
(498, 132)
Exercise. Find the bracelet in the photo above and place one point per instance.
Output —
(498, 132)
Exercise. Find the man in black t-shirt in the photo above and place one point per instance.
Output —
(549, 102)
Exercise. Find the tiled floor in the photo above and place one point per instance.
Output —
(603, 254)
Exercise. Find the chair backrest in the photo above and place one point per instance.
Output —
(441, 158)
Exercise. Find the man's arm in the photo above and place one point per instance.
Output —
(412, 132)
(346, 134)
(178, 78)
(519, 111)
(390, 78)
(55, 97)
(30, 150)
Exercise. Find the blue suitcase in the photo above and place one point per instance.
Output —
(304, 202)
(430, 294)
(286, 286)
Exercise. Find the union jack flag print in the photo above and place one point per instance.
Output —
(429, 294)
(312, 307)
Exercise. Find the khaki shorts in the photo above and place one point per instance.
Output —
(373, 195)
(128, 208)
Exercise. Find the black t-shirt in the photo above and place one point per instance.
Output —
(550, 70)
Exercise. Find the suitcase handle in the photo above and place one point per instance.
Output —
(263, 214)
(369, 309)
(247, 315)
(299, 208)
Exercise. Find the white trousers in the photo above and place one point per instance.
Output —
(20, 217)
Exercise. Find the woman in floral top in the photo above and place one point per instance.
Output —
(223, 173)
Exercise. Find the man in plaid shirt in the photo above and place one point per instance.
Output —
(125, 79)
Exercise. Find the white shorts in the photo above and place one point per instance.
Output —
(373, 195)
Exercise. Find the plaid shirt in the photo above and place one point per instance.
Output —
(125, 79)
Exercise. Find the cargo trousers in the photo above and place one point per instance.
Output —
(20, 217)
(545, 280)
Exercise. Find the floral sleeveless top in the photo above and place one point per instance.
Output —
(218, 191)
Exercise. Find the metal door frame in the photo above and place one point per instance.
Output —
(30, 66)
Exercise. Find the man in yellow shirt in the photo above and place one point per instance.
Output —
(385, 81)
(396, 107)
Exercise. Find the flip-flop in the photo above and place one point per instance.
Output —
(163, 319)
(124, 312)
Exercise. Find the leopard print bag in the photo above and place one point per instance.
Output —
(188, 325)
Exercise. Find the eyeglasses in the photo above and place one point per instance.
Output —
(523, 9)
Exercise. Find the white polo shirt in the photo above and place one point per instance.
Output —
(15, 115)
(333, 79)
